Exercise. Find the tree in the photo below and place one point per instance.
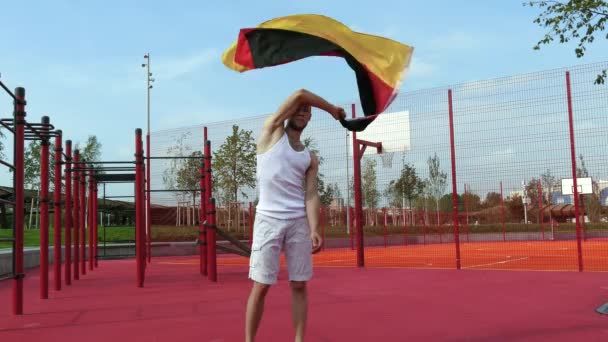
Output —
(437, 181)
(234, 163)
(408, 186)
(326, 193)
(91, 152)
(188, 175)
(2, 144)
(369, 188)
(572, 20)
(548, 182)
(492, 200)
(170, 174)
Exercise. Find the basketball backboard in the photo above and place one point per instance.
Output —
(391, 129)
(585, 186)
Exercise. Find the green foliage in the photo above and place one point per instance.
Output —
(331, 191)
(369, 188)
(91, 151)
(492, 200)
(175, 175)
(408, 186)
(234, 164)
(572, 20)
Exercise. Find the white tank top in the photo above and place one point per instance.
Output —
(281, 173)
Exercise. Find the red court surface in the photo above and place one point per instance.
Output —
(346, 304)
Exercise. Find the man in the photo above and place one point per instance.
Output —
(287, 215)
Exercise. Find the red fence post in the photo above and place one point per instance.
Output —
(19, 141)
(139, 225)
(148, 198)
(44, 214)
(322, 214)
(90, 219)
(454, 188)
(384, 223)
(57, 214)
(76, 220)
(502, 207)
(211, 254)
(574, 175)
(405, 226)
(95, 223)
(350, 228)
(202, 230)
(358, 199)
(68, 212)
(250, 224)
(83, 212)
(540, 209)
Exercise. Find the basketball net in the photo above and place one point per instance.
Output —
(387, 159)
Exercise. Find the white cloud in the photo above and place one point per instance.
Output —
(454, 40)
(170, 69)
(421, 67)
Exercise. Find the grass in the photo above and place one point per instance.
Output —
(176, 234)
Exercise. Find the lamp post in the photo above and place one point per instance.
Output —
(149, 80)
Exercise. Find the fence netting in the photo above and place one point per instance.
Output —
(512, 160)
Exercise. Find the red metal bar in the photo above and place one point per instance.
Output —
(44, 215)
(250, 224)
(466, 208)
(76, 220)
(454, 187)
(211, 238)
(138, 200)
(358, 199)
(19, 118)
(502, 207)
(351, 227)
(82, 223)
(540, 209)
(90, 221)
(95, 223)
(579, 247)
(68, 212)
(202, 231)
(57, 214)
(405, 226)
(424, 229)
(148, 196)
(384, 223)
(322, 218)
(211, 250)
(142, 214)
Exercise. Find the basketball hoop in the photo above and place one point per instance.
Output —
(387, 159)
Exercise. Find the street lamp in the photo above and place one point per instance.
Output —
(150, 80)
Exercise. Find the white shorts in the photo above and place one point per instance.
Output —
(270, 236)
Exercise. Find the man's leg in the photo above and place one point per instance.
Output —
(255, 309)
(299, 308)
(298, 254)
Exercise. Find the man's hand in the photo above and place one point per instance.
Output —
(317, 241)
(338, 113)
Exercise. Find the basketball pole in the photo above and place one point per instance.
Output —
(359, 147)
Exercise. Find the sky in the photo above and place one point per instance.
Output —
(80, 61)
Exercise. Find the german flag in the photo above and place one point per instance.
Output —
(379, 63)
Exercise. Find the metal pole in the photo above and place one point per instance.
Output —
(454, 187)
(203, 214)
(358, 200)
(76, 179)
(502, 207)
(83, 210)
(44, 214)
(68, 212)
(18, 269)
(211, 255)
(574, 175)
(57, 214)
(138, 199)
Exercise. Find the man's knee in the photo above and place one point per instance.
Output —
(260, 290)
(298, 286)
